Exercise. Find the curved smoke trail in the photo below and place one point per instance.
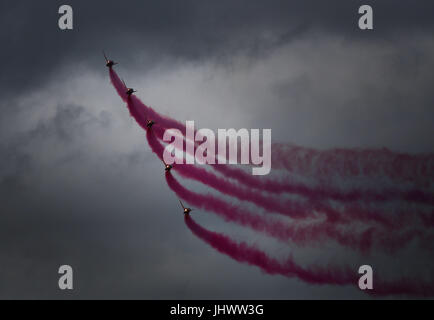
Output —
(141, 112)
(399, 167)
(324, 191)
(245, 253)
(301, 234)
(242, 252)
(293, 209)
(312, 231)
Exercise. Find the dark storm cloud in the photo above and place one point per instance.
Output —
(33, 46)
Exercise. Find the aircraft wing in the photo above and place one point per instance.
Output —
(181, 204)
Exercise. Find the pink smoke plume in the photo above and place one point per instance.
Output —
(290, 208)
(242, 252)
(325, 191)
(141, 113)
(345, 163)
(139, 110)
(245, 253)
(301, 234)
(322, 164)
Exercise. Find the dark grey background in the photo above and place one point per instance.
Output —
(79, 185)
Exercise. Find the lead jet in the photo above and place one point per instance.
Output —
(108, 63)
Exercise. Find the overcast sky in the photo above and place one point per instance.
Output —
(80, 186)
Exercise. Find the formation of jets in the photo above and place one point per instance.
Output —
(110, 63)
(149, 123)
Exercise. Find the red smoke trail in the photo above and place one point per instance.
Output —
(324, 192)
(395, 219)
(400, 167)
(286, 208)
(119, 86)
(289, 208)
(314, 232)
(299, 235)
(140, 116)
(242, 252)
(137, 110)
(233, 213)
(140, 108)
(245, 253)
(141, 112)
